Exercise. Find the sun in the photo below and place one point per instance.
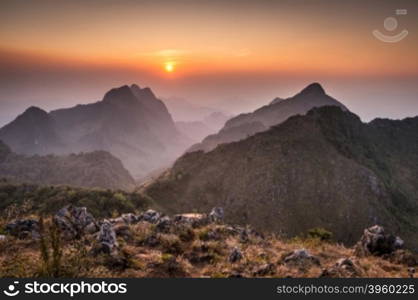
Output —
(169, 67)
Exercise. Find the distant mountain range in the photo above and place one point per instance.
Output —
(277, 111)
(130, 122)
(97, 169)
(197, 130)
(323, 169)
(183, 110)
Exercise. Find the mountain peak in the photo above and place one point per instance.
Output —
(118, 94)
(276, 100)
(35, 110)
(135, 87)
(146, 92)
(313, 89)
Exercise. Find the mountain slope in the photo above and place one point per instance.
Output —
(261, 119)
(325, 169)
(95, 169)
(32, 132)
(130, 122)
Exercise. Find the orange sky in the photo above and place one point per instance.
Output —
(46, 46)
(212, 36)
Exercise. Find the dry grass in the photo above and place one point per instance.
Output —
(187, 252)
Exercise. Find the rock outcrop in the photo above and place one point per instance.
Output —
(301, 257)
(26, 228)
(74, 222)
(343, 268)
(106, 238)
(375, 241)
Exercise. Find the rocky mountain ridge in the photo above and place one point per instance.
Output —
(324, 169)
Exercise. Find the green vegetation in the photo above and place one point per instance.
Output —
(16, 199)
(320, 233)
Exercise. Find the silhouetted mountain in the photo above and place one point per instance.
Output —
(130, 122)
(323, 169)
(276, 112)
(94, 169)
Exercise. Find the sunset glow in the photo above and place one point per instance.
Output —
(207, 50)
(169, 67)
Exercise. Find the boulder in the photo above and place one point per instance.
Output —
(150, 216)
(375, 241)
(301, 257)
(2, 237)
(194, 220)
(164, 224)
(23, 228)
(216, 215)
(235, 255)
(343, 268)
(107, 239)
(126, 219)
(74, 222)
(264, 270)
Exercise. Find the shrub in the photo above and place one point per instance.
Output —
(320, 233)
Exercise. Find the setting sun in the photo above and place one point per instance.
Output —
(169, 67)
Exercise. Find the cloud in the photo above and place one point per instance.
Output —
(166, 53)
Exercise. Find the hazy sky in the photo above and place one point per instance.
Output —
(234, 55)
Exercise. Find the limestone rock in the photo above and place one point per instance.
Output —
(74, 221)
(375, 241)
(23, 228)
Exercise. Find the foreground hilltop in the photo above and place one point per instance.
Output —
(73, 243)
(130, 123)
(324, 169)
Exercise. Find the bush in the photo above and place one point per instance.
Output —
(320, 233)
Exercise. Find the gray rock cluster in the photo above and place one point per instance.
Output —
(26, 228)
(150, 216)
(375, 241)
(343, 268)
(106, 238)
(74, 222)
(194, 220)
(216, 215)
(301, 257)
